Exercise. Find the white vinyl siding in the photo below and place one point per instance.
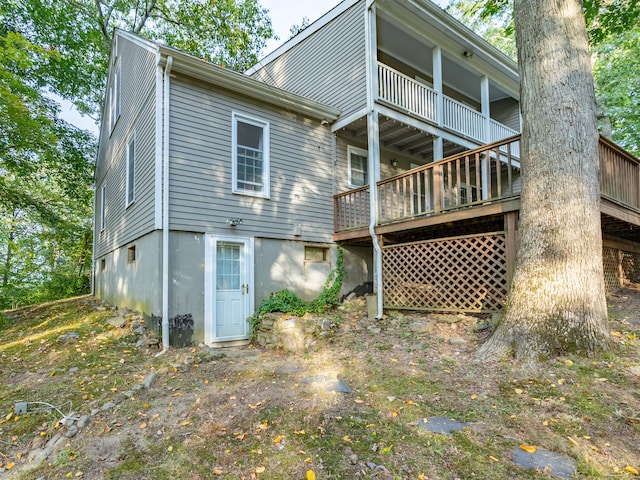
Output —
(131, 169)
(329, 66)
(358, 167)
(250, 156)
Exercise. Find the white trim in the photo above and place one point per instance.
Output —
(165, 201)
(266, 171)
(114, 95)
(363, 153)
(211, 243)
(103, 208)
(331, 15)
(138, 40)
(131, 144)
(344, 121)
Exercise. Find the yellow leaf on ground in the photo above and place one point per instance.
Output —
(298, 432)
(278, 439)
(143, 425)
(260, 469)
(493, 459)
(346, 439)
(422, 476)
(217, 471)
(631, 470)
(10, 465)
(357, 400)
(573, 441)
(529, 448)
(311, 475)
(568, 363)
(170, 448)
(519, 391)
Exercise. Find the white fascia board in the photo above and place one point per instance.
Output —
(245, 85)
(306, 33)
(137, 39)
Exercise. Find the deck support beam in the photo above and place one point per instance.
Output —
(511, 237)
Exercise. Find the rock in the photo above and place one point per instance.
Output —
(421, 327)
(140, 342)
(353, 459)
(119, 400)
(36, 456)
(139, 331)
(442, 425)
(117, 322)
(107, 406)
(95, 411)
(71, 432)
(634, 370)
(136, 324)
(69, 337)
(137, 387)
(457, 341)
(129, 393)
(351, 296)
(558, 465)
(84, 420)
(73, 369)
(101, 308)
(148, 381)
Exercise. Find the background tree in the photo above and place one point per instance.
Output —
(46, 165)
(557, 302)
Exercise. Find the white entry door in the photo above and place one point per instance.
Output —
(229, 285)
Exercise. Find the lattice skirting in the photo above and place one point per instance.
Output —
(465, 274)
(620, 266)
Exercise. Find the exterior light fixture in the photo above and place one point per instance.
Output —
(233, 222)
(394, 163)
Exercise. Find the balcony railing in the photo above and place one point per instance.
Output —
(414, 97)
(484, 175)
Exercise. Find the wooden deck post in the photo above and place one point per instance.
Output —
(511, 228)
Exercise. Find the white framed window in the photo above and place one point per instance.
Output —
(114, 97)
(358, 166)
(250, 156)
(131, 170)
(103, 207)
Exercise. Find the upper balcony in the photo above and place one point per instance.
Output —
(476, 183)
(417, 98)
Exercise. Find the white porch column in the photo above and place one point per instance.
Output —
(438, 150)
(486, 108)
(437, 84)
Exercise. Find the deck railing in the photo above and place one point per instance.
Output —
(475, 177)
(406, 93)
(471, 178)
(619, 175)
(417, 98)
(351, 209)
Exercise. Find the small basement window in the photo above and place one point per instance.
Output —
(316, 254)
(103, 264)
(131, 254)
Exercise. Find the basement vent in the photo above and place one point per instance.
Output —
(131, 254)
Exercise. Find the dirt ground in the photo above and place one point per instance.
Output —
(250, 413)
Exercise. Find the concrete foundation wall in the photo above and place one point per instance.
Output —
(358, 268)
(135, 285)
(281, 265)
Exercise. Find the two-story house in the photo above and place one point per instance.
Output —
(386, 126)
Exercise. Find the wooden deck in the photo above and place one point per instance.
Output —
(480, 183)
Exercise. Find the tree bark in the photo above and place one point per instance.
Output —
(557, 302)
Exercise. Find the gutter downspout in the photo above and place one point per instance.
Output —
(373, 145)
(165, 205)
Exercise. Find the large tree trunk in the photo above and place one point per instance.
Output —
(557, 302)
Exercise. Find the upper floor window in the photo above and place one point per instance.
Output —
(358, 167)
(103, 207)
(250, 156)
(131, 169)
(114, 97)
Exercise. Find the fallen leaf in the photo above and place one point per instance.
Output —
(185, 423)
(422, 476)
(493, 459)
(143, 425)
(346, 439)
(473, 396)
(307, 460)
(311, 475)
(298, 432)
(170, 448)
(217, 471)
(278, 439)
(357, 400)
(519, 391)
(568, 363)
(631, 470)
(10, 465)
(529, 448)
(573, 441)
(260, 469)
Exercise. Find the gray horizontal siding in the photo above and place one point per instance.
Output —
(201, 198)
(137, 117)
(329, 66)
